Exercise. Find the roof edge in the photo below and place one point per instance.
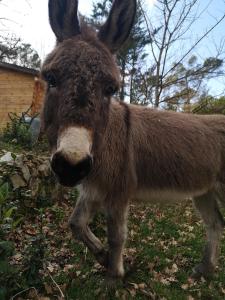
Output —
(17, 68)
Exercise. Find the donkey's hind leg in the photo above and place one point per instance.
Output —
(214, 223)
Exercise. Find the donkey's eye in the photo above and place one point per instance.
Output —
(110, 90)
(51, 80)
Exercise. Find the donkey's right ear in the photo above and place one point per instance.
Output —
(63, 18)
(118, 25)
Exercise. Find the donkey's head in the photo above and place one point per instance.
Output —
(81, 75)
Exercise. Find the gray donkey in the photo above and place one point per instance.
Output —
(117, 151)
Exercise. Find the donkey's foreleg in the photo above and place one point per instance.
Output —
(117, 232)
(79, 224)
(209, 211)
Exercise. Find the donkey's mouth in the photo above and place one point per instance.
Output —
(69, 174)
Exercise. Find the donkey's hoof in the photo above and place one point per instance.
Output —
(113, 283)
(203, 270)
(116, 273)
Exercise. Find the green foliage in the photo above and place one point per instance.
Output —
(18, 131)
(8, 221)
(73, 194)
(27, 56)
(182, 85)
(6, 249)
(187, 82)
(25, 206)
(101, 10)
(4, 192)
(14, 278)
(210, 105)
(34, 259)
(160, 251)
(132, 54)
(8, 274)
(6, 210)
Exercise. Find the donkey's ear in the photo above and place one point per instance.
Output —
(63, 18)
(118, 25)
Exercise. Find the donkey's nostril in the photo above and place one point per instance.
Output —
(58, 163)
(84, 166)
(70, 174)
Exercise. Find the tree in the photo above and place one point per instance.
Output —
(209, 105)
(12, 50)
(100, 11)
(8, 48)
(174, 18)
(142, 86)
(187, 82)
(27, 56)
(148, 72)
(132, 55)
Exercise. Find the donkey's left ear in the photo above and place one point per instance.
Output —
(118, 25)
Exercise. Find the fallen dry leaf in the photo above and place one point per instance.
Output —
(184, 286)
(142, 286)
(48, 288)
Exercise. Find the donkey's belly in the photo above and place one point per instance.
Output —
(164, 197)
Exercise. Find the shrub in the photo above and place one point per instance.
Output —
(18, 131)
(7, 209)
(8, 274)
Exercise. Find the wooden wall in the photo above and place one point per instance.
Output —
(18, 93)
(38, 95)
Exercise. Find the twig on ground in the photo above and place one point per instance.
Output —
(24, 291)
(56, 284)
(85, 253)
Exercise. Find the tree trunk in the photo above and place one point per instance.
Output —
(122, 88)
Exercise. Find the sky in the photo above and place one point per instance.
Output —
(28, 19)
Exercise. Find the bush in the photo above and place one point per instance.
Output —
(8, 274)
(7, 210)
(18, 131)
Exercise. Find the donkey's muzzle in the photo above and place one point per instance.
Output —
(70, 174)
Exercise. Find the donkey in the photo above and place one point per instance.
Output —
(116, 152)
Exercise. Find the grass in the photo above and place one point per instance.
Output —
(163, 246)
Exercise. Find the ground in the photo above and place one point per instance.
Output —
(163, 246)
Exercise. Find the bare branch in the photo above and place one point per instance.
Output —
(196, 43)
(177, 17)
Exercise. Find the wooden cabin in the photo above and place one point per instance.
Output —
(20, 89)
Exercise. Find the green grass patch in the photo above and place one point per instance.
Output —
(163, 246)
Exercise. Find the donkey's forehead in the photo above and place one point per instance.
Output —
(77, 52)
